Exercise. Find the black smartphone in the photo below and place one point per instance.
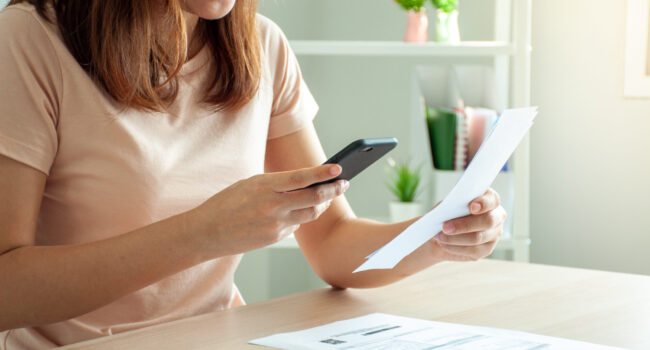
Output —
(358, 155)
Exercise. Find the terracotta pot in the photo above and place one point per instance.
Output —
(417, 24)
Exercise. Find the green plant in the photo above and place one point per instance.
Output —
(404, 181)
(445, 5)
(411, 5)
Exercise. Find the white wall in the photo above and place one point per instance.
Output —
(590, 161)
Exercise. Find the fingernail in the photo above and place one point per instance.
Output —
(448, 227)
(475, 207)
(334, 169)
(346, 185)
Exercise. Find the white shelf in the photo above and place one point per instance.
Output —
(398, 48)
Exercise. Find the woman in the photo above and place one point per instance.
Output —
(144, 146)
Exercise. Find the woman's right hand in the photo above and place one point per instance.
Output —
(263, 209)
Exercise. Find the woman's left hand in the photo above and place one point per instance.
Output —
(474, 236)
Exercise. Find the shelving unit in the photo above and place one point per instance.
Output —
(281, 268)
(509, 55)
(395, 48)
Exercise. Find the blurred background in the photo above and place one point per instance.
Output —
(589, 168)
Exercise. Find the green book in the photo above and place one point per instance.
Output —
(442, 136)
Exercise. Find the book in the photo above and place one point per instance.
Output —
(480, 122)
(442, 125)
(461, 150)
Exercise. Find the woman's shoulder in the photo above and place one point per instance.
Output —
(21, 25)
(30, 51)
(23, 7)
(266, 26)
(24, 17)
(271, 35)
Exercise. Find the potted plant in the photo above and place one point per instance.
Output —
(404, 183)
(446, 21)
(417, 22)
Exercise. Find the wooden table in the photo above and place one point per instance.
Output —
(593, 306)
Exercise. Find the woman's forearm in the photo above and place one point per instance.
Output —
(46, 284)
(344, 242)
(352, 240)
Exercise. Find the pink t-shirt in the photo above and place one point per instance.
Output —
(113, 169)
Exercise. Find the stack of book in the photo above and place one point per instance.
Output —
(460, 104)
(456, 134)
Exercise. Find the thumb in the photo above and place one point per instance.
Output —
(297, 179)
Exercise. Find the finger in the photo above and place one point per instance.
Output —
(488, 201)
(475, 223)
(470, 239)
(473, 253)
(309, 197)
(301, 178)
(305, 215)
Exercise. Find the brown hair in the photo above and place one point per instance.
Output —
(136, 48)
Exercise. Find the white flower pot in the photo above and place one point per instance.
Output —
(401, 211)
(447, 27)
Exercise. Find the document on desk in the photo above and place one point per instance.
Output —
(477, 178)
(387, 332)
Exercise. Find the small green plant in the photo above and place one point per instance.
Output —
(411, 5)
(447, 6)
(403, 181)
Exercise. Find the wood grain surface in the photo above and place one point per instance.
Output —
(593, 306)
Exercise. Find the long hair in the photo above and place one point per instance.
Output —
(135, 48)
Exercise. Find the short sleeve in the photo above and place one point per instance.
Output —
(30, 86)
(294, 106)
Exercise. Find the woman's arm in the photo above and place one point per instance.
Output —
(337, 242)
(46, 284)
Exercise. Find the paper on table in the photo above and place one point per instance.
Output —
(383, 331)
(481, 172)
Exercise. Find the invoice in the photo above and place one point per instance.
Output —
(381, 331)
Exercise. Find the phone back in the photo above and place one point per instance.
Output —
(360, 154)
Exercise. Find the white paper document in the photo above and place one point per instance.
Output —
(388, 332)
(477, 178)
